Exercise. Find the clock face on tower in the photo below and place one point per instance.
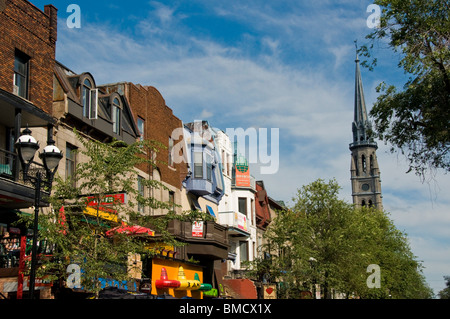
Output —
(365, 187)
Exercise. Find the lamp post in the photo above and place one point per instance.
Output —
(26, 147)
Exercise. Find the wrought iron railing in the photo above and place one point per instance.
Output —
(8, 162)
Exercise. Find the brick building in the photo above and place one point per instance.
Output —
(27, 51)
(156, 122)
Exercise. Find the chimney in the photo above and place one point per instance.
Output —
(52, 13)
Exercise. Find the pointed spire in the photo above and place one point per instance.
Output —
(360, 104)
(361, 124)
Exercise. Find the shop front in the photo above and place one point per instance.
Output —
(176, 278)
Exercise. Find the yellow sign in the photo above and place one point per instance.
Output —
(101, 214)
(173, 269)
(186, 284)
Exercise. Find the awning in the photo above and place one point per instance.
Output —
(210, 211)
(131, 230)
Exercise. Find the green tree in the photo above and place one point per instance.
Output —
(415, 121)
(80, 237)
(445, 293)
(324, 240)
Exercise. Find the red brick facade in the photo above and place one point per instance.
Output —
(262, 207)
(159, 122)
(26, 28)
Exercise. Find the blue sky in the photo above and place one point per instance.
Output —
(264, 64)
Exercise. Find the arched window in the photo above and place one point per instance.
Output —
(89, 99)
(371, 164)
(85, 96)
(363, 203)
(364, 164)
(370, 203)
(116, 110)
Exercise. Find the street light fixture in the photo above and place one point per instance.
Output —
(26, 147)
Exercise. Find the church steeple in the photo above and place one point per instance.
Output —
(365, 173)
(361, 125)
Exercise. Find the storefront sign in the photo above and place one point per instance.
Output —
(197, 229)
(106, 200)
(73, 281)
(270, 291)
(242, 172)
(102, 208)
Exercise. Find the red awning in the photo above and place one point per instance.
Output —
(130, 230)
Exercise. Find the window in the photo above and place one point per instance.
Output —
(371, 164)
(243, 251)
(172, 200)
(252, 206)
(141, 192)
(243, 205)
(198, 165)
(208, 167)
(89, 100)
(140, 124)
(170, 161)
(223, 161)
(218, 178)
(21, 65)
(356, 165)
(71, 163)
(364, 164)
(116, 115)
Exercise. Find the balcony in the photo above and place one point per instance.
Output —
(14, 192)
(236, 223)
(199, 187)
(210, 242)
(252, 183)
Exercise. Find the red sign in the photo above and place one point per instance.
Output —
(110, 199)
(197, 229)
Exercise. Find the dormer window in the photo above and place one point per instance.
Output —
(89, 99)
(116, 110)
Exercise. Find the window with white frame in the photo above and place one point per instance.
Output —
(198, 165)
(71, 162)
(116, 110)
(242, 202)
(89, 99)
(170, 160)
(140, 124)
(209, 161)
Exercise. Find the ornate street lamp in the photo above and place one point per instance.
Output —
(26, 147)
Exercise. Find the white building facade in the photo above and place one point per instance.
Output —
(237, 206)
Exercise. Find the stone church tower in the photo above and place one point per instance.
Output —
(365, 173)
